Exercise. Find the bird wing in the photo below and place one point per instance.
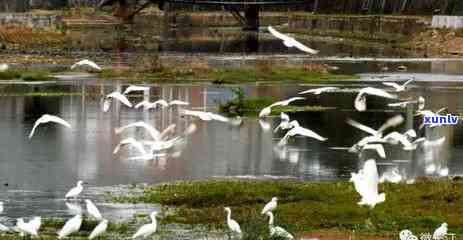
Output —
(133, 88)
(155, 134)
(48, 118)
(392, 84)
(74, 191)
(377, 147)
(99, 229)
(161, 102)
(306, 132)
(398, 137)
(121, 98)
(219, 118)
(178, 102)
(133, 142)
(277, 34)
(167, 130)
(391, 122)
(265, 111)
(409, 81)
(143, 103)
(362, 127)
(303, 47)
(377, 92)
(264, 125)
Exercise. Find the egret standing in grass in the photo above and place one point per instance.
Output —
(71, 226)
(26, 228)
(270, 206)
(48, 118)
(93, 210)
(440, 232)
(75, 191)
(366, 184)
(147, 229)
(276, 231)
(99, 229)
(232, 224)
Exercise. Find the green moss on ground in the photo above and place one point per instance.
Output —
(311, 206)
(28, 75)
(229, 76)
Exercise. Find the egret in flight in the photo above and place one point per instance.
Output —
(88, 64)
(46, 118)
(133, 88)
(360, 102)
(318, 91)
(115, 95)
(298, 130)
(267, 110)
(291, 42)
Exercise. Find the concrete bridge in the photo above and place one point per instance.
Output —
(245, 11)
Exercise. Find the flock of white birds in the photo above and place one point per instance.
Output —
(365, 181)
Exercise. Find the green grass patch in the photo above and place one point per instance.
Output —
(240, 105)
(264, 73)
(311, 206)
(27, 75)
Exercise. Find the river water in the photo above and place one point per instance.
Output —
(35, 174)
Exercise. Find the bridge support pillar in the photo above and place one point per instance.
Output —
(251, 14)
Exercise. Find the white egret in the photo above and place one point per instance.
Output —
(148, 127)
(411, 133)
(366, 184)
(73, 208)
(395, 137)
(399, 88)
(205, 116)
(377, 147)
(232, 224)
(46, 118)
(392, 176)
(71, 226)
(4, 67)
(145, 104)
(115, 95)
(26, 228)
(132, 142)
(318, 91)
(264, 125)
(391, 122)
(267, 110)
(270, 206)
(1, 207)
(298, 130)
(99, 229)
(75, 191)
(405, 234)
(133, 88)
(360, 102)
(291, 42)
(284, 124)
(178, 103)
(86, 63)
(403, 104)
(4, 228)
(35, 223)
(276, 231)
(421, 103)
(147, 229)
(440, 232)
(93, 210)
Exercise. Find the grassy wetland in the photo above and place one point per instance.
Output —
(307, 208)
